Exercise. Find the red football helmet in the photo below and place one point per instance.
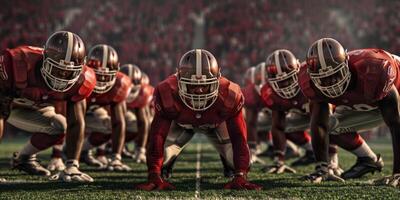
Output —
(104, 61)
(198, 68)
(136, 75)
(327, 63)
(259, 78)
(63, 58)
(281, 72)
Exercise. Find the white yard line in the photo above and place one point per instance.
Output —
(198, 177)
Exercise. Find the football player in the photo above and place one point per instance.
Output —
(106, 108)
(33, 81)
(363, 82)
(252, 106)
(198, 99)
(138, 116)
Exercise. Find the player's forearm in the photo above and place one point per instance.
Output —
(75, 129)
(237, 132)
(118, 137)
(155, 152)
(1, 127)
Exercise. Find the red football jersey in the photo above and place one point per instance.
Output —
(252, 99)
(20, 71)
(374, 72)
(169, 107)
(118, 93)
(143, 99)
(275, 102)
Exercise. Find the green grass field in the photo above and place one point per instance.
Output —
(114, 185)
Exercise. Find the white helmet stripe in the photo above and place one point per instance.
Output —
(321, 54)
(105, 56)
(198, 63)
(263, 73)
(278, 64)
(130, 70)
(252, 75)
(69, 46)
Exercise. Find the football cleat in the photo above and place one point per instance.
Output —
(29, 164)
(116, 165)
(140, 155)
(363, 166)
(307, 159)
(322, 173)
(56, 164)
(88, 158)
(72, 174)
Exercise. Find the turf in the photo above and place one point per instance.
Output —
(114, 185)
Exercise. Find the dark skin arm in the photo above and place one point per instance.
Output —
(143, 125)
(1, 127)
(278, 134)
(251, 121)
(319, 129)
(76, 126)
(118, 111)
(389, 107)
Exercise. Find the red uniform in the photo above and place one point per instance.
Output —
(21, 77)
(169, 107)
(116, 94)
(22, 69)
(375, 71)
(143, 99)
(275, 102)
(252, 98)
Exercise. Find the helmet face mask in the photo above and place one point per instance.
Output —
(198, 101)
(63, 60)
(103, 59)
(137, 77)
(282, 68)
(286, 86)
(332, 82)
(328, 68)
(198, 79)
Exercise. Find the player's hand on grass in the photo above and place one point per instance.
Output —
(393, 180)
(72, 174)
(2, 180)
(239, 182)
(155, 182)
(322, 173)
(278, 167)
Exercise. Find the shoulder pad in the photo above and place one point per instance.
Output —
(305, 83)
(231, 95)
(24, 59)
(86, 84)
(167, 91)
(266, 95)
(376, 72)
(122, 88)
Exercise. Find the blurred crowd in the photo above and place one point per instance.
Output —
(155, 33)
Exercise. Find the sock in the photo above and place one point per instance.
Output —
(364, 151)
(29, 149)
(57, 151)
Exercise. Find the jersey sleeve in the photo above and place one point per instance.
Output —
(88, 82)
(158, 132)
(238, 135)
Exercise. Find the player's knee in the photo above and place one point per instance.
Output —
(59, 124)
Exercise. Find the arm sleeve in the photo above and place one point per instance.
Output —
(238, 134)
(158, 132)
